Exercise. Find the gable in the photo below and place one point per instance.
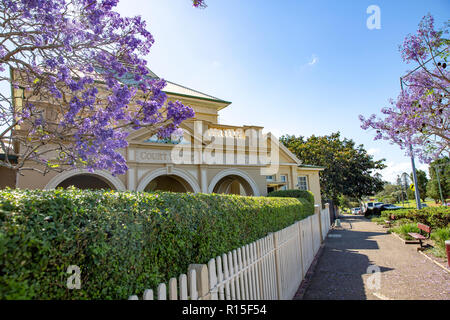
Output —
(285, 155)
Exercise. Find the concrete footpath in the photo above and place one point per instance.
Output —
(351, 255)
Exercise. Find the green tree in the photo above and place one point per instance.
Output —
(349, 169)
(391, 193)
(443, 165)
(345, 202)
(422, 182)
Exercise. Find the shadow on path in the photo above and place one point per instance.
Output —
(351, 254)
(339, 273)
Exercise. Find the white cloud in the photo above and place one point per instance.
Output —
(393, 170)
(314, 60)
(373, 151)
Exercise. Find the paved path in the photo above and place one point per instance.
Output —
(341, 271)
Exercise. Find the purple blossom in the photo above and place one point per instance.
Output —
(420, 115)
(94, 44)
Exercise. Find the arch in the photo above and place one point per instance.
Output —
(104, 175)
(234, 172)
(174, 172)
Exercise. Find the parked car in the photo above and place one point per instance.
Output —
(388, 206)
(369, 206)
(373, 208)
(356, 210)
(378, 205)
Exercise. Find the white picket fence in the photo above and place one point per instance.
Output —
(270, 268)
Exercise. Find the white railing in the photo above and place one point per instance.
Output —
(270, 268)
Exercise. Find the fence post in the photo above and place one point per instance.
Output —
(300, 242)
(259, 257)
(327, 206)
(317, 211)
(212, 283)
(201, 271)
(277, 265)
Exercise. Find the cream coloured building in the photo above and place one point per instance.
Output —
(209, 157)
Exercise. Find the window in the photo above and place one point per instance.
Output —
(303, 183)
(269, 178)
(283, 178)
(177, 140)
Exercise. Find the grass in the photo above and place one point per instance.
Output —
(376, 219)
(404, 226)
(439, 236)
(412, 203)
(404, 229)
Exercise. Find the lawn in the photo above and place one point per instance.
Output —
(437, 218)
(412, 203)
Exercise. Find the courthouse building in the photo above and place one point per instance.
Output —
(211, 166)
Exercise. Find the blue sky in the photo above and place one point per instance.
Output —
(294, 67)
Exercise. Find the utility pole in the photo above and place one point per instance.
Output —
(436, 167)
(416, 186)
(405, 186)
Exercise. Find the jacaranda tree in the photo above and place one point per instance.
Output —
(420, 115)
(87, 64)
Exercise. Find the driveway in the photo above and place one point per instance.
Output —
(360, 261)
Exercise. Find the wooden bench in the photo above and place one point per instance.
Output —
(389, 222)
(419, 236)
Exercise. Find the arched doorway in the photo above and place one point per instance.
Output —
(105, 178)
(233, 181)
(170, 183)
(233, 185)
(174, 179)
(86, 181)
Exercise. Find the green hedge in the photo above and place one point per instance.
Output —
(436, 217)
(124, 242)
(294, 193)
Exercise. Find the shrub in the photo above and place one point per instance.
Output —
(439, 236)
(436, 217)
(404, 229)
(294, 193)
(124, 242)
(376, 219)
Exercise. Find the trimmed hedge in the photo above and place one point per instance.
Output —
(124, 242)
(436, 217)
(294, 193)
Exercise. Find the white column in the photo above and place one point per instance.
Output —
(204, 179)
(131, 176)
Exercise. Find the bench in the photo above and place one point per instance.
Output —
(419, 236)
(389, 222)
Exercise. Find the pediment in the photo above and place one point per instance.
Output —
(144, 135)
(285, 155)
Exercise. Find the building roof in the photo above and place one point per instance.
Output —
(178, 89)
(309, 166)
(173, 88)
